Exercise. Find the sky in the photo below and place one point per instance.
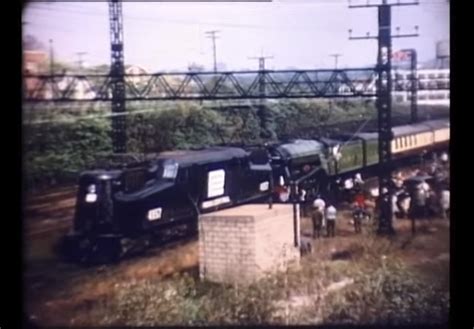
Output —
(168, 36)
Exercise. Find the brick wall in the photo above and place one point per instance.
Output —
(241, 244)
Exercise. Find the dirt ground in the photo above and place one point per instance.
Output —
(60, 294)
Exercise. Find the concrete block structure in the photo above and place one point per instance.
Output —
(242, 244)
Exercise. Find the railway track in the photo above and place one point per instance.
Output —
(47, 213)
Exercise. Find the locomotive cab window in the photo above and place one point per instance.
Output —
(170, 169)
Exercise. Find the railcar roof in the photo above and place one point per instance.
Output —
(368, 136)
(420, 127)
(436, 124)
(329, 141)
(410, 129)
(213, 154)
(300, 148)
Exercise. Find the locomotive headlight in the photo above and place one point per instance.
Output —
(91, 188)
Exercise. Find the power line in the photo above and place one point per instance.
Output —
(87, 117)
(158, 20)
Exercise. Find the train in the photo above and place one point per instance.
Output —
(131, 205)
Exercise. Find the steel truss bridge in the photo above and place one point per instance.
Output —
(270, 84)
(205, 85)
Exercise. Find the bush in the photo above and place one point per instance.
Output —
(185, 301)
(56, 152)
(391, 294)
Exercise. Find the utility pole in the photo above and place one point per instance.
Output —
(213, 36)
(336, 56)
(413, 84)
(51, 57)
(384, 106)
(262, 113)
(119, 134)
(79, 60)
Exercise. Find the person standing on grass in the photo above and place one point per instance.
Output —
(444, 203)
(317, 218)
(320, 204)
(358, 215)
(331, 214)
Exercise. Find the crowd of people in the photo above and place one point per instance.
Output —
(420, 194)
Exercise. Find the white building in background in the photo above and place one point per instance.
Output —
(134, 77)
(428, 81)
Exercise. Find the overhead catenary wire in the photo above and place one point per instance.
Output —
(159, 20)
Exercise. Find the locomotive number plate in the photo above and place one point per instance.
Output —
(154, 214)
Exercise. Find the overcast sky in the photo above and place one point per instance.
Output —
(162, 36)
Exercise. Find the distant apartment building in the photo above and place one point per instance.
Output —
(433, 86)
(34, 62)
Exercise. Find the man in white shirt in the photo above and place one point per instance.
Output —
(348, 184)
(320, 205)
(358, 181)
(331, 214)
(445, 203)
(426, 187)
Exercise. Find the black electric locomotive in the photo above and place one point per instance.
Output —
(119, 208)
